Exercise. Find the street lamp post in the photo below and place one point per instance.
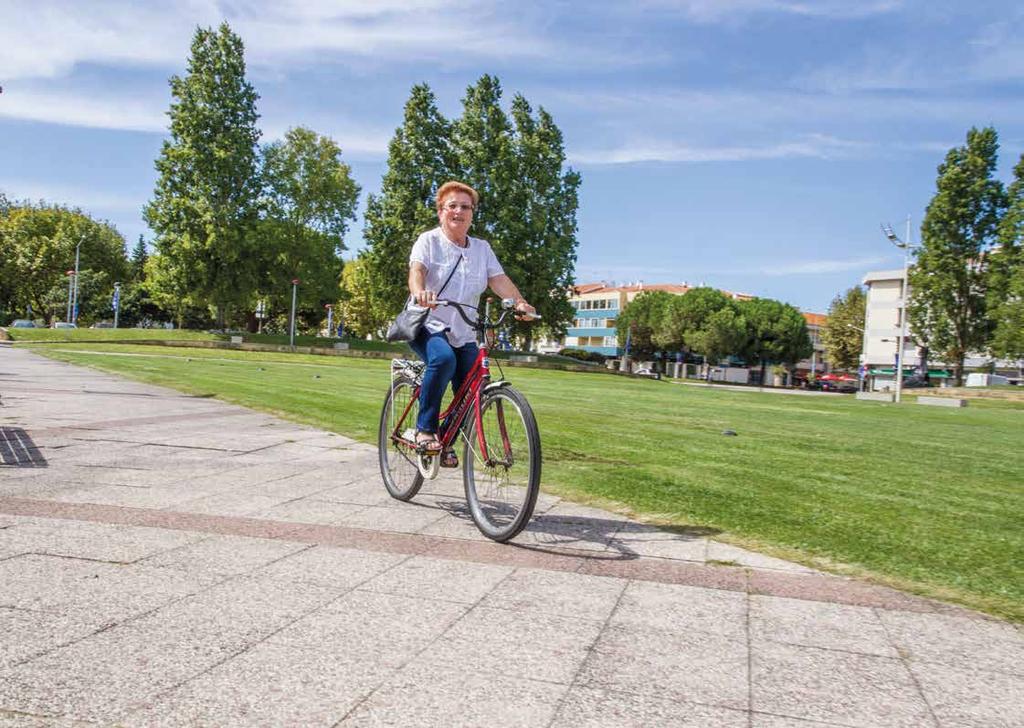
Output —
(71, 281)
(291, 336)
(74, 306)
(117, 302)
(900, 334)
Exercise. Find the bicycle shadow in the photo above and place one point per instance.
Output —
(611, 539)
(17, 450)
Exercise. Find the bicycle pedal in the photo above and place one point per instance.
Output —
(449, 459)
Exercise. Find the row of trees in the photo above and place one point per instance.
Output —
(967, 279)
(709, 323)
(234, 223)
(37, 247)
(527, 210)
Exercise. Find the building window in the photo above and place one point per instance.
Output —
(610, 341)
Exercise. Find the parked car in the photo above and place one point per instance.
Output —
(102, 325)
(22, 324)
(63, 325)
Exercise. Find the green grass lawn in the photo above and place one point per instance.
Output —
(922, 498)
(107, 335)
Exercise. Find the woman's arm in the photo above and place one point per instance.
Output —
(505, 288)
(418, 286)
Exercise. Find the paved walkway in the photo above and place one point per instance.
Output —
(173, 560)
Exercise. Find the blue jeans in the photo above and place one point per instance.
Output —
(445, 363)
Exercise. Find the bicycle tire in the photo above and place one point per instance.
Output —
(398, 467)
(501, 496)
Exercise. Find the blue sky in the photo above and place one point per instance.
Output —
(754, 145)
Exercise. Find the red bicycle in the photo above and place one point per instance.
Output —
(501, 443)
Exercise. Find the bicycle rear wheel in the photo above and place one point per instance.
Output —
(398, 467)
(502, 482)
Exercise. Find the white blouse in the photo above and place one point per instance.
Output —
(474, 265)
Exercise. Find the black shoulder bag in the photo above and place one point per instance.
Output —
(408, 323)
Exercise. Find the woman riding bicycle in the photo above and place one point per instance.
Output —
(448, 258)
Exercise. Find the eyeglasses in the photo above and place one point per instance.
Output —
(457, 206)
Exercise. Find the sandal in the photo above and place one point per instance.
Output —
(449, 459)
(427, 442)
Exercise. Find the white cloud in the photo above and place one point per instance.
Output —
(819, 267)
(717, 11)
(87, 198)
(812, 146)
(49, 38)
(127, 113)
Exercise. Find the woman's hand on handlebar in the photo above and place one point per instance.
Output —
(426, 298)
(525, 312)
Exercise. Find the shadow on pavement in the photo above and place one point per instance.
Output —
(17, 449)
(563, 534)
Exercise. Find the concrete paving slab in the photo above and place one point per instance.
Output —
(91, 588)
(245, 609)
(430, 578)
(644, 540)
(675, 607)
(981, 643)
(95, 541)
(336, 568)
(268, 685)
(518, 644)
(590, 708)
(819, 624)
(372, 627)
(401, 518)
(682, 665)
(454, 699)
(28, 634)
(224, 555)
(975, 698)
(557, 593)
(836, 687)
(102, 676)
(310, 510)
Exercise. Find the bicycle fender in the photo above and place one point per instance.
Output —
(497, 385)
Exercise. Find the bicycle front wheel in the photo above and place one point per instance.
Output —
(502, 476)
(398, 467)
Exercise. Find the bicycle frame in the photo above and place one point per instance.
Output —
(468, 396)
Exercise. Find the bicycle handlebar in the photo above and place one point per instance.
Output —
(506, 303)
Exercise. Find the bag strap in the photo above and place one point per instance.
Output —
(450, 275)
(445, 285)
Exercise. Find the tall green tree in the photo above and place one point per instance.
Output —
(776, 333)
(641, 321)
(722, 334)
(1006, 275)
(137, 260)
(684, 315)
(537, 218)
(37, 247)
(843, 334)
(420, 160)
(309, 200)
(484, 156)
(360, 312)
(948, 281)
(204, 207)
